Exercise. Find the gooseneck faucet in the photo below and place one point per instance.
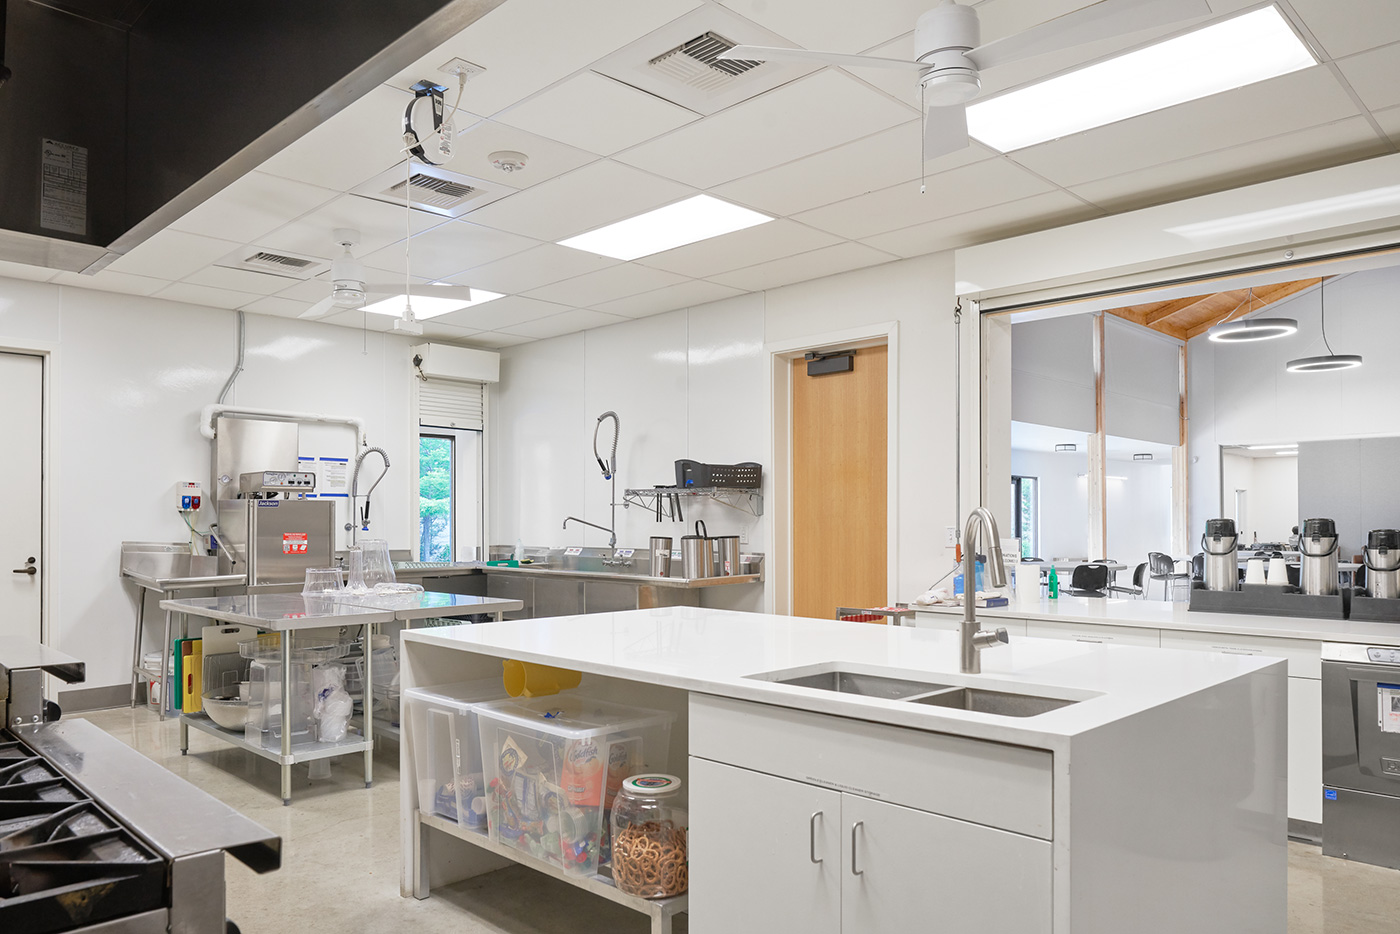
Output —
(609, 467)
(973, 639)
(362, 521)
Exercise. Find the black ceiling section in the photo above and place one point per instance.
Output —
(163, 94)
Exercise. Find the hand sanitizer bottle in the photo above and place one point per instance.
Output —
(1054, 584)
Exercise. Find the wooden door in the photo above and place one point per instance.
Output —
(839, 463)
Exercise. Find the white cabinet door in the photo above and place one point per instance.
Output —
(906, 870)
(765, 853)
(1305, 749)
(1094, 632)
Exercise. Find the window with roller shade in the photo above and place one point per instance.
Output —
(451, 418)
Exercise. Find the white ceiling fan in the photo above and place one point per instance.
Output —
(349, 290)
(949, 59)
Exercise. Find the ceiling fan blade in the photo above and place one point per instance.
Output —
(459, 292)
(322, 308)
(945, 131)
(759, 53)
(1102, 20)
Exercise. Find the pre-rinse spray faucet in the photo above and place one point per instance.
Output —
(609, 473)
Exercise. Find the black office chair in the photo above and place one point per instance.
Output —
(1088, 580)
(1162, 568)
(1137, 589)
(1198, 568)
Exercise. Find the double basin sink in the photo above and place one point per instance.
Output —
(977, 700)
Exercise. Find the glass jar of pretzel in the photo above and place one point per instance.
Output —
(649, 823)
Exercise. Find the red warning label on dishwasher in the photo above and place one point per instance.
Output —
(293, 543)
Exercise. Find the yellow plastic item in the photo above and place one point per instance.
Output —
(192, 673)
(534, 680)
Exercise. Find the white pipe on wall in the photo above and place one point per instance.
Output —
(209, 413)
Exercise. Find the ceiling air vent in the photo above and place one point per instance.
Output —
(276, 262)
(696, 63)
(432, 192)
(273, 263)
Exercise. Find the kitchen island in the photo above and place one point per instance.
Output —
(1069, 787)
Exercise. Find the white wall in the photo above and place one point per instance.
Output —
(697, 383)
(1139, 511)
(1064, 500)
(130, 376)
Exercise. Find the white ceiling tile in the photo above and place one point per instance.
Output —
(684, 295)
(203, 295)
(827, 261)
(309, 292)
(1375, 76)
(833, 25)
(172, 254)
(597, 113)
(448, 249)
(1304, 98)
(277, 306)
(958, 191)
(25, 271)
(238, 280)
(379, 224)
(108, 281)
(570, 321)
(496, 339)
(535, 267)
(1038, 212)
(1290, 154)
(605, 285)
(868, 164)
(361, 141)
(252, 206)
(808, 115)
(548, 157)
(589, 197)
(746, 247)
(503, 313)
(436, 330)
(526, 45)
(1345, 27)
(1390, 123)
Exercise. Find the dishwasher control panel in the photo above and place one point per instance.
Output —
(1384, 656)
(277, 481)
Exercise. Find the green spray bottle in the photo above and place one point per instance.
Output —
(1054, 584)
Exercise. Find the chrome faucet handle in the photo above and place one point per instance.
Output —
(990, 638)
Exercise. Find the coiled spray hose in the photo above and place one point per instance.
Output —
(355, 481)
(609, 466)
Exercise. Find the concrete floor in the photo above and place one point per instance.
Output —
(340, 858)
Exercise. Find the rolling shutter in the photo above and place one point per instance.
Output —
(452, 403)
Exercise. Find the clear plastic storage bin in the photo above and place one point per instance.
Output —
(265, 714)
(552, 764)
(447, 749)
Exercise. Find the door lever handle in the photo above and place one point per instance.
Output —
(31, 570)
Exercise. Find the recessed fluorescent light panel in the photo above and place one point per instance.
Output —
(1269, 447)
(1240, 51)
(688, 221)
(429, 306)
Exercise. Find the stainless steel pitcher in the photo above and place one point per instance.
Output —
(697, 554)
(727, 560)
(1221, 546)
(1382, 557)
(1318, 546)
(660, 556)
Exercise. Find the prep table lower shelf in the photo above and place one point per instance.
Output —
(660, 910)
(301, 752)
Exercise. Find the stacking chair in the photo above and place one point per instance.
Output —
(1162, 568)
(1088, 580)
(1137, 589)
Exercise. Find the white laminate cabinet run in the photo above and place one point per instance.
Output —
(765, 852)
(1304, 656)
(1078, 632)
(1305, 749)
(904, 868)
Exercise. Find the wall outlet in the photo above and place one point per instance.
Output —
(743, 536)
(951, 536)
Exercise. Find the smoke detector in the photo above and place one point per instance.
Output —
(508, 160)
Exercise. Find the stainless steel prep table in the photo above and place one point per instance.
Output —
(283, 613)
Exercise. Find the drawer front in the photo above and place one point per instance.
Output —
(952, 622)
(1304, 657)
(1092, 632)
(988, 783)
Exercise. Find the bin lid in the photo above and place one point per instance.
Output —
(652, 785)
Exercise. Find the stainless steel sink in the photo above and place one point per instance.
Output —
(866, 685)
(1001, 703)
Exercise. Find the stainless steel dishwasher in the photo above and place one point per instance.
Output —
(1361, 753)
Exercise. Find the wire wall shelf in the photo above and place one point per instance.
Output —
(665, 502)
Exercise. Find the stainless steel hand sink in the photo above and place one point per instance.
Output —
(866, 685)
(1001, 703)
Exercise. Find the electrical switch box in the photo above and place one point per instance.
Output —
(187, 496)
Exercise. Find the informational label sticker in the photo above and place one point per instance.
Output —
(63, 180)
(1388, 700)
(571, 552)
(626, 552)
(332, 474)
(675, 554)
(294, 543)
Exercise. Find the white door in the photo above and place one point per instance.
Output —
(21, 480)
(765, 853)
(906, 870)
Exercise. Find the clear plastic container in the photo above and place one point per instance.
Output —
(265, 720)
(549, 764)
(649, 827)
(446, 749)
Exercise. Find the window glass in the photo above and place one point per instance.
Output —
(435, 513)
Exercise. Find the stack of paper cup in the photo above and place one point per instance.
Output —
(1028, 584)
(1254, 571)
(1278, 572)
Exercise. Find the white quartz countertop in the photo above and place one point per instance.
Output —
(713, 651)
(1156, 614)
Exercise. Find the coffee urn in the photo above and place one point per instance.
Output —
(1318, 546)
(1382, 559)
(1221, 546)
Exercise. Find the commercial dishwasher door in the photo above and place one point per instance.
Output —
(1361, 753)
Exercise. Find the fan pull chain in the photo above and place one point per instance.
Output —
(923, 142)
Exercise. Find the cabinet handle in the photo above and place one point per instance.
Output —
(812, 837)
(854, 827)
